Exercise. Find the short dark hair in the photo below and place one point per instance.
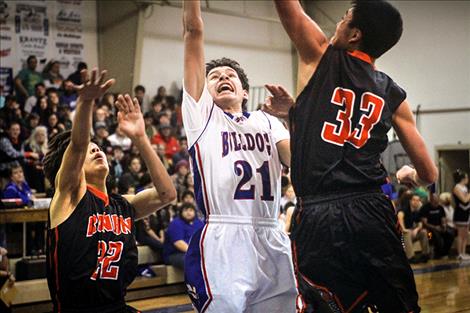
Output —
(53, 158)
(139, 88)
(39, 85)
(82, 66)
(230, 63)
(188, 205)
(30, 58)
(13, 167)
(187, 193)
(380, 23)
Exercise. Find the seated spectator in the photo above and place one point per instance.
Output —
(69, 96)
(117, 163)
(76, 77)
(37, 143)
(133, 174)
(167, 163)
(5, 275)
(144, 100)
(32, 122)
(164, 136)
(11, 112)
(101, 136)
(32, 101)
(119, 139)
(183, 153)
(42, 109)
(178, 235)
(53, 125)
(150, 129)
(51, 75)
(289, 196)
(433, 217)
(178, 178)
(11, 149)
(188, 197)
(189, 182)
(445, 199)
(18, 188)
(26, 79)
(150, 233)
(413, 230)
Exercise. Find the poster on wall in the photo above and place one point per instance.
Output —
(7, 58)
(32, 31)
(68, 38)
(6, 80)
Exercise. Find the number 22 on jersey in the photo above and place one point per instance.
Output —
(372, 106)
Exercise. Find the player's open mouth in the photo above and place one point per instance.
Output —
(224, 87)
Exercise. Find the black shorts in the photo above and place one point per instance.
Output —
(348, 253)
(461, 216)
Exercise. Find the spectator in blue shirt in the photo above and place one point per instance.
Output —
(17, 188)
(178, 235)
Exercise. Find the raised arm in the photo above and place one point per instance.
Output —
(194, 67)
(306, 35)
(131, 122)
(404, 124)
(70, 185)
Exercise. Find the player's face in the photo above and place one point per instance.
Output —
(343, 33)
(95, 162)
(226, 88)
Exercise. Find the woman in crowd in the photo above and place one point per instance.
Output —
(461, 213)
(37, 143)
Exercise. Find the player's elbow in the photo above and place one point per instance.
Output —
(168, 197)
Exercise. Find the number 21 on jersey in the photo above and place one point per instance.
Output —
(372, 106)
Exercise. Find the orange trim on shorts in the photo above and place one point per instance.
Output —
(99, 194)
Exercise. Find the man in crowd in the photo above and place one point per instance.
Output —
(27, 79)
(413, 230)
(434, 221)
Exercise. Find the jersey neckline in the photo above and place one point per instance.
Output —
(98, 193)
(362, 56)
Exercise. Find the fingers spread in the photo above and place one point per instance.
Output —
(101, 78)
(84, 76)
(93, 76)
(120, 104)
(129, 103)
(107, 84)
(136, 105)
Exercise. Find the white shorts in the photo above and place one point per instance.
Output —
(240, 264)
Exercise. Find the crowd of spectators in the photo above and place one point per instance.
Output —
(43, 105)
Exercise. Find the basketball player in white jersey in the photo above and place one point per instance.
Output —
(240, 261)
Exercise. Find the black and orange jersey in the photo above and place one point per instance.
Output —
(92, 256)
(339, 125)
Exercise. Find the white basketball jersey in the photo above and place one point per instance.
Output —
(234, 159)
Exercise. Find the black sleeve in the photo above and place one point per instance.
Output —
(396, 96)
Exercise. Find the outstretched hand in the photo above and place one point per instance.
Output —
(130, 118)
(92, 87)
(279, 103)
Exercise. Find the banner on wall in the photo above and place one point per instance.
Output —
(7, 35)
(32, 31)
(68, 39)
(6, 80)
